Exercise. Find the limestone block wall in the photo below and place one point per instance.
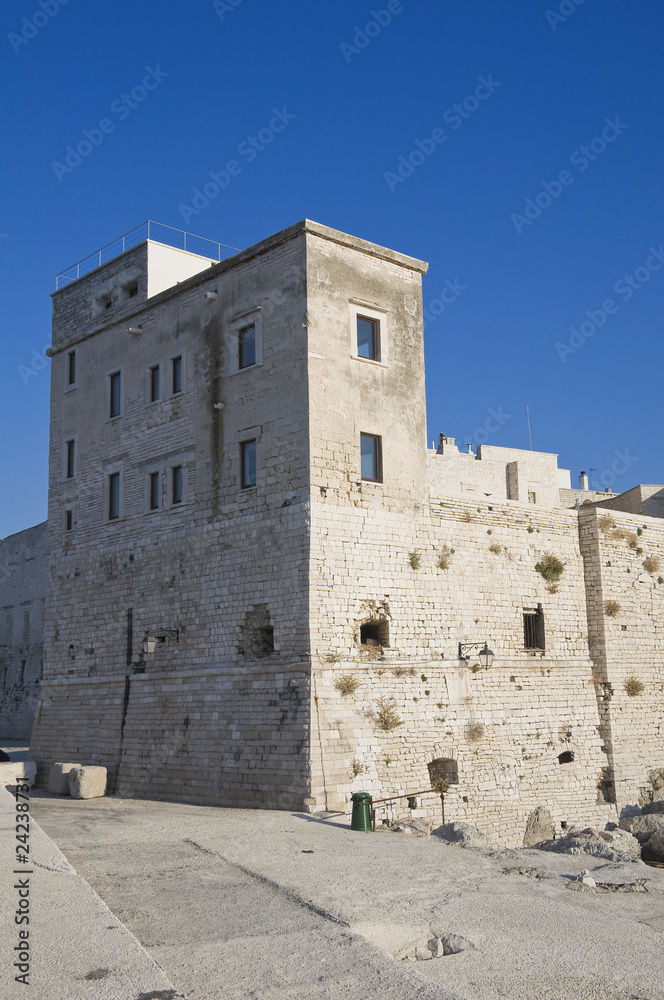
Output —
(573, 498)
(202, 564)
(79, 720)
(648, 500)
(456, 472)
(214, 736)
(456, 571)
(225, 567)
(22, 585)
(86, 305)
(499, 473)
(624, 559)
(368, 561)
(504, 729)
(349, 395)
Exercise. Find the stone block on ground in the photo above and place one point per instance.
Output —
(22, 771)
(539, 827)
(417, 827)
(87, 782)
(643, 827)
(58, 777)
(652, 849)
(611, 845)
(462, 834)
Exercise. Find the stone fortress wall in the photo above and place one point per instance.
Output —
(307, 628)
(218, 713)
(22, 585)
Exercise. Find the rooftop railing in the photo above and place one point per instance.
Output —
(146, 231)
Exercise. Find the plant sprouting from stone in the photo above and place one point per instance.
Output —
(387, 717)
(346, 684)
(551, 568)
(445, 557)
(634, 687)
(475, 731)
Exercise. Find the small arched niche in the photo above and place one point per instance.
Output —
(375, 632)
(443, 771)
(566, 757)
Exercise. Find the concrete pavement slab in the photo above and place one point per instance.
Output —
(242, 903)
(78, 949)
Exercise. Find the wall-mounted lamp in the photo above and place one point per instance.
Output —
(135, 330)
(485, 654)
(211, 296)
(150, 639)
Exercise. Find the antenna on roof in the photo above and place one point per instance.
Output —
(527, 414)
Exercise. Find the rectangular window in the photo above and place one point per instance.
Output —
(368, 338)
(115, 386)
(155, 490)
(69, 520)
(371, 458)
(154, 383)
(71, 459)
(114, 496)
(248, 463)
(133, 290)
(177, 481)
(71, 368)
(247, 346)
(533, 628)
(176, 374)
(532, 496)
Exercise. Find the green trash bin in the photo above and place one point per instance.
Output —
(361, 816)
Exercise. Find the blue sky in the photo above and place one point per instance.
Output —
(537, 200)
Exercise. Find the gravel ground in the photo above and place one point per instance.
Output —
(270, 905)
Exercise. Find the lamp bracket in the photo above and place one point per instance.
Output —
(465, 648)
(167, 633)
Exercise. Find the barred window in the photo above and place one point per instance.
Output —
(533, 628)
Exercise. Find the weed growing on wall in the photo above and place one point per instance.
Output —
(551, 568)
(634, 687)
(475, 731)
(387, 717)
(445, 557)
(347, 684)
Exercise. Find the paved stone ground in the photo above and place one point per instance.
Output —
(272, 905)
